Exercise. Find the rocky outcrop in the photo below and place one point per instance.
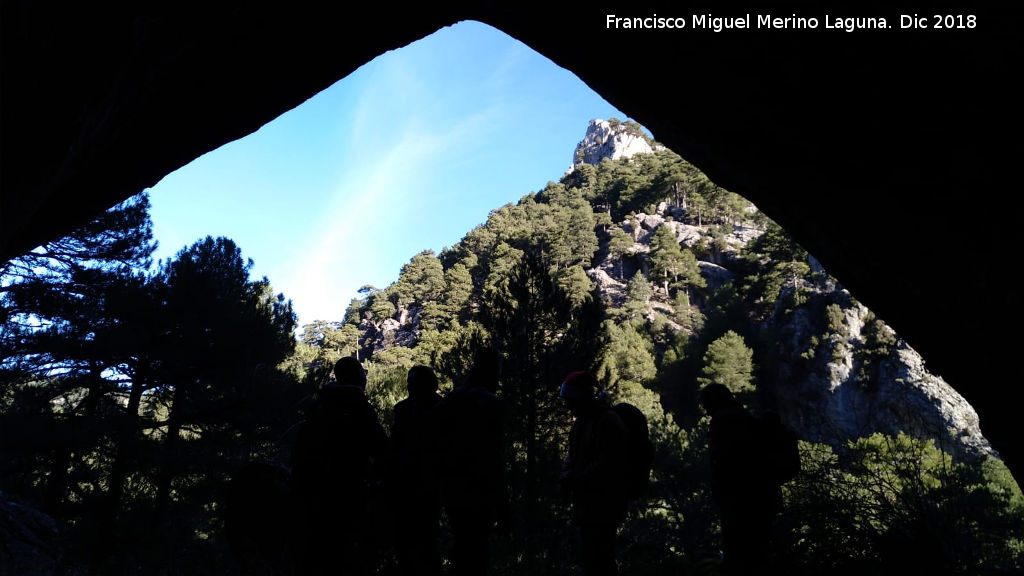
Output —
(686, 234)
(715, 275)
(400, 330)
(610, 290)
(27, 539)
(641, 226)
(851, 387)
(846, 387)
(611, 140)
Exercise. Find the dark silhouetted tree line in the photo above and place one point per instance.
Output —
(129, 394)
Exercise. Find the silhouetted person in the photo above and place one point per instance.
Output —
(593, 473)
(746, 497)
(473, 487)
(414, 437)
(336, 456)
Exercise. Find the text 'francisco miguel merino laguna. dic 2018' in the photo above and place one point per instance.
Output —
(792, 22)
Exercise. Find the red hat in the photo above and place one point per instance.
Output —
(579, 385)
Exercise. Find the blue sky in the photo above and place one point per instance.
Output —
(408, 152)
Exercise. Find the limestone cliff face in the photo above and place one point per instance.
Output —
(831, 383)
(838, 383)
(612, 140)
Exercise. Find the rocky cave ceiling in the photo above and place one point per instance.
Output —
(891, 155)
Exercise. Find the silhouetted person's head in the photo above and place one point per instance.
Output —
(422, 381)
(486, 368)
(716, 397)
(348, 370)
(578, 390)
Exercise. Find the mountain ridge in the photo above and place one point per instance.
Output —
(830, 385)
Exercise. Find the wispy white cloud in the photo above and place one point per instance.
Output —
(373, 224)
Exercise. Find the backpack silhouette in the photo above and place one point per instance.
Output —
(640, 457)
(778, 448)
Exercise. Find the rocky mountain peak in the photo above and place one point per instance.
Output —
(611, 139)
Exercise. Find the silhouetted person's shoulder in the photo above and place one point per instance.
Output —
(471, 406)
(343, 397)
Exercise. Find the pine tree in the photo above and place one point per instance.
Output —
(729, 361)
(638, 297)
(226, 334)
(626, 356)
(64, 307)
(421, 280)
(619, 244)
(575, 286)
(666, 256)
